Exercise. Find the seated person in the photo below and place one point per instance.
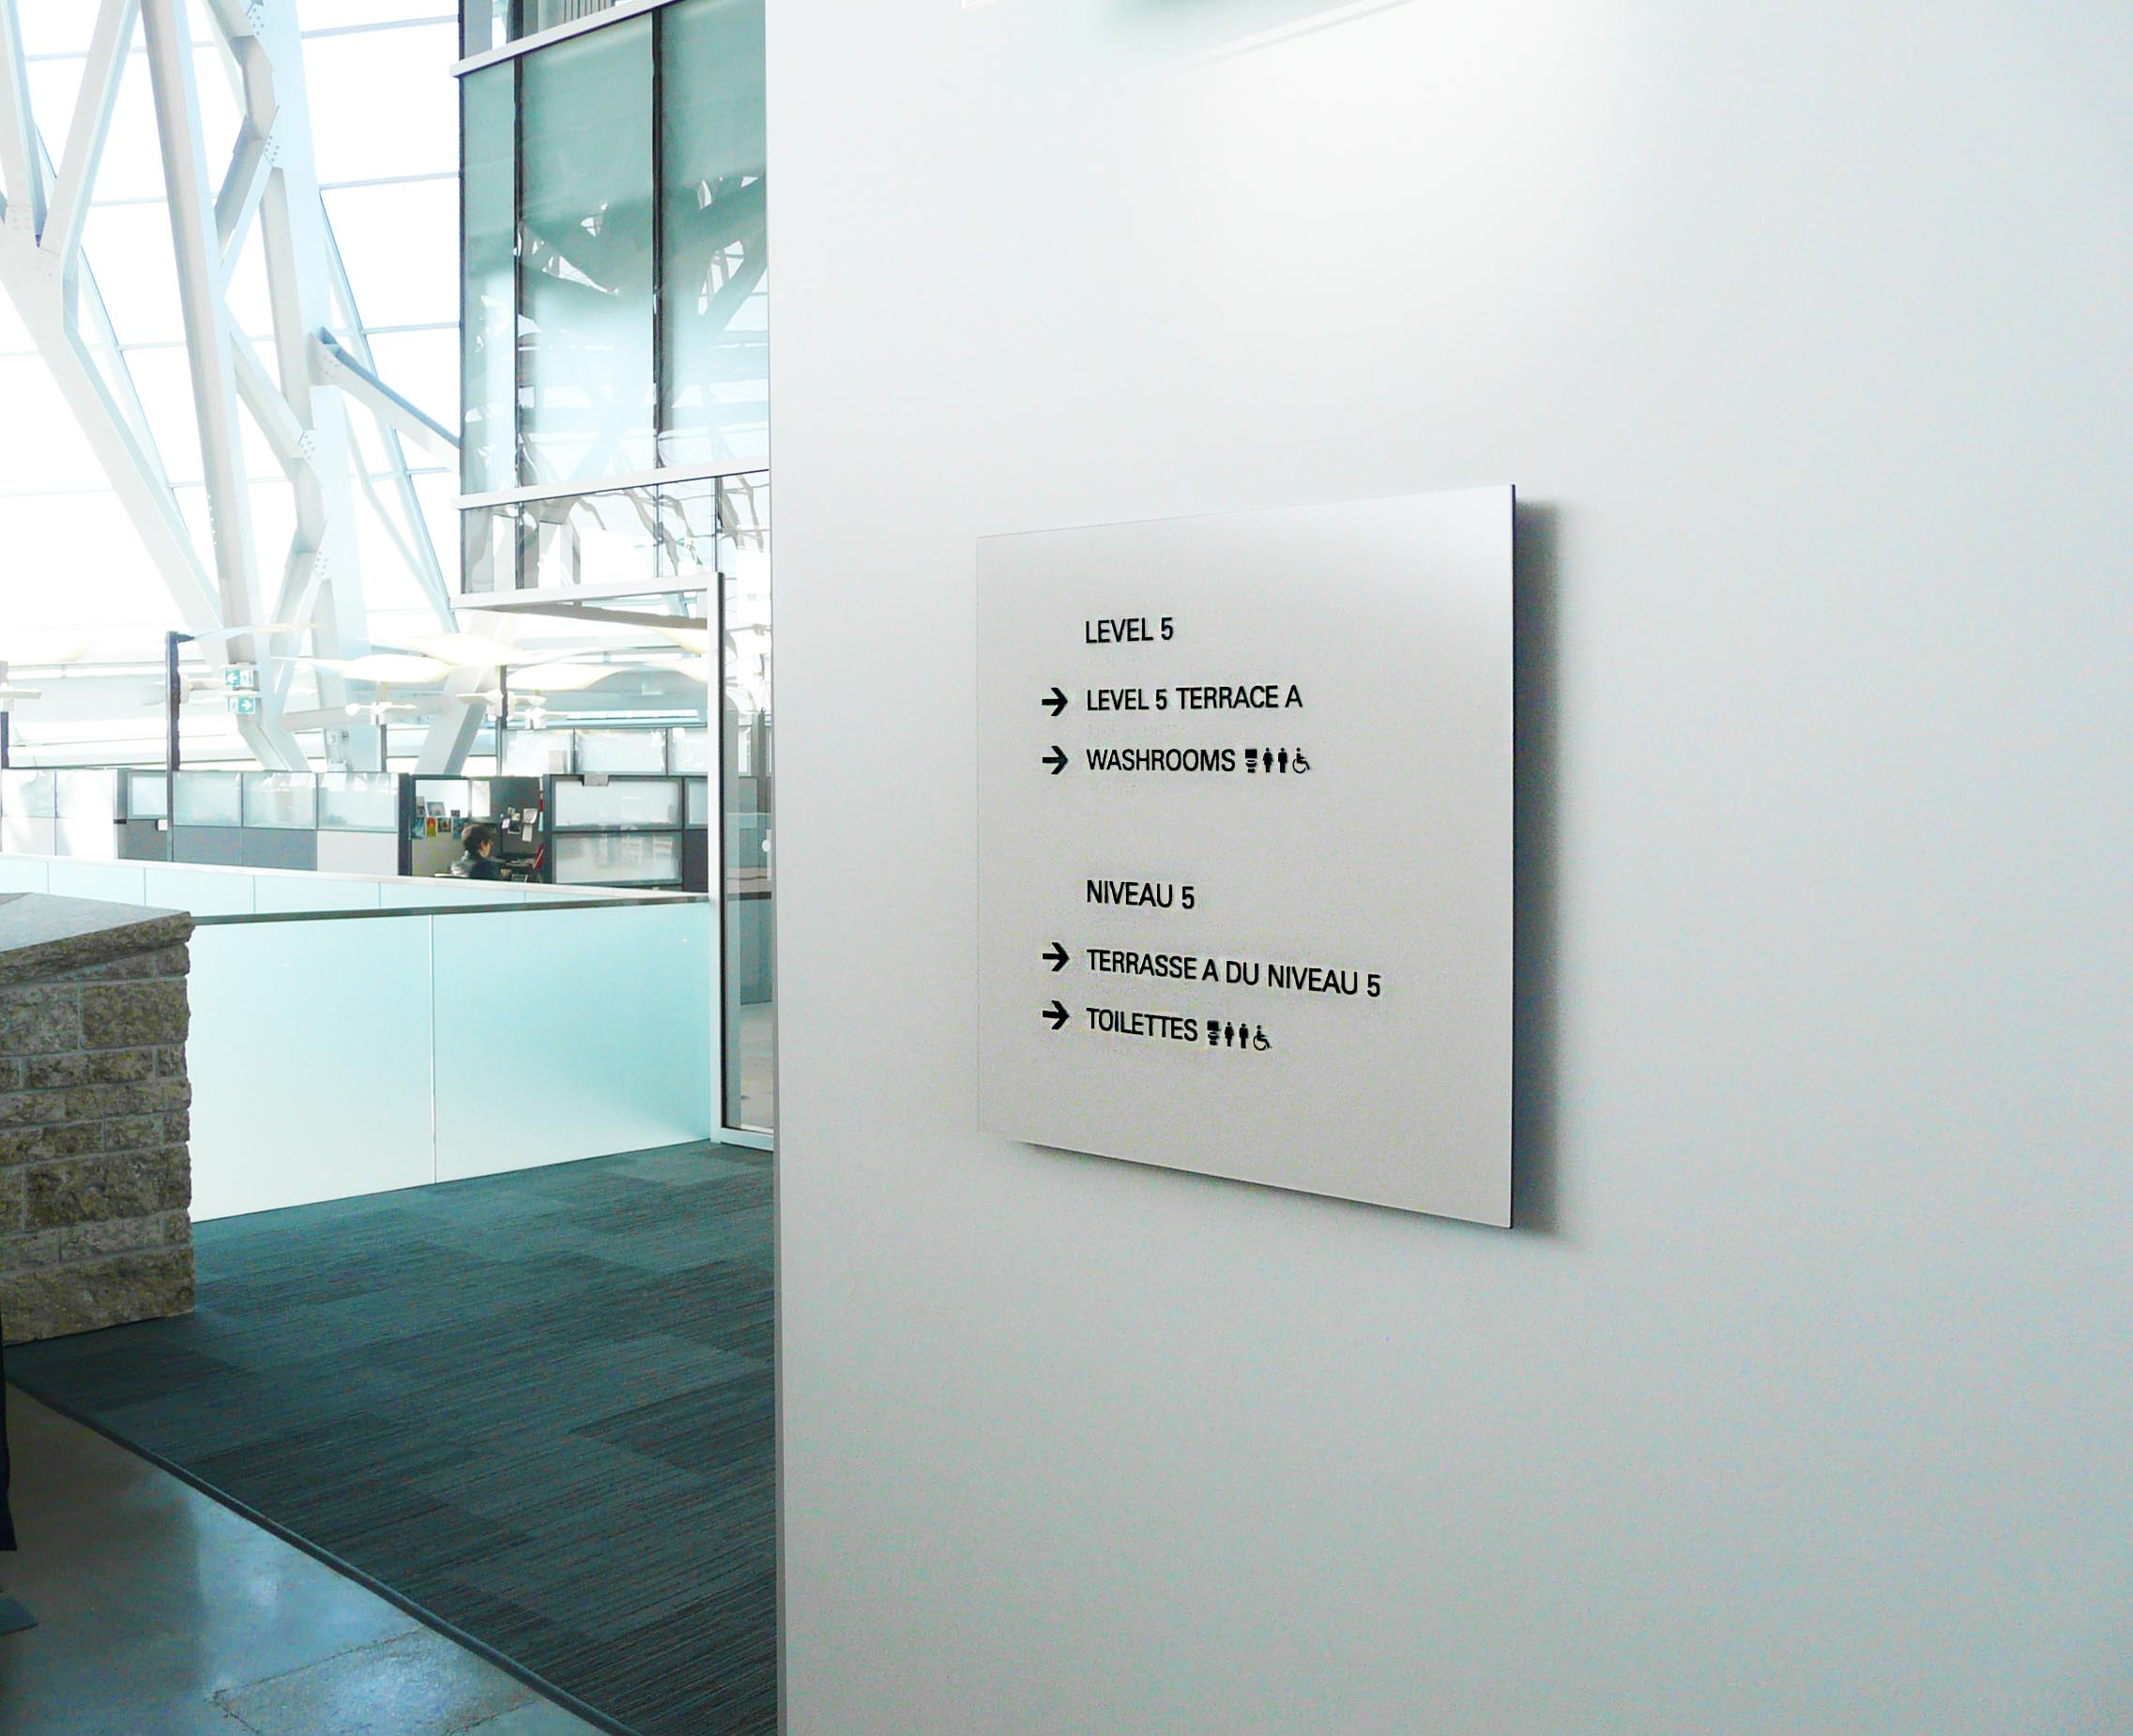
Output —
(480, 863)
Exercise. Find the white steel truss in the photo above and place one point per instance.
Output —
(268, 189)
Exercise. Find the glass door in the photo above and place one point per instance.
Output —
(747, 875)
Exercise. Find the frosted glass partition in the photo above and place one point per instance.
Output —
(699, 801)
(535, 1062)
(147, 796)
(607, 857)
(89, 793)
(690, 752)
(358, 852)
(28, 795)
(88, 814)
(28, 837)
(358, 802)
(338, 1055)
(622, 749)
(286, 801)
(531, 753)
(210, 798)
(638, 802)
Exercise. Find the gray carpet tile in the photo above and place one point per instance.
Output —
(537, 1405)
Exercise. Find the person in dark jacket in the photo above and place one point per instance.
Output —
(480, 863)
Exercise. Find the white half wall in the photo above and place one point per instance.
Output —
(1800, 1399)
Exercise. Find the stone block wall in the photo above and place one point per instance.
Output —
(95, 1171)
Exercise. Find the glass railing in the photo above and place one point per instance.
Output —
(205, 890)
(332, 1055)
(350, 1036)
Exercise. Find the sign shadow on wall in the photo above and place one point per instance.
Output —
(1536, 753)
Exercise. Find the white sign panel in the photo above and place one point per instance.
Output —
(1244, 846)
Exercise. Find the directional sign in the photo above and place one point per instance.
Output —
(1244, 846)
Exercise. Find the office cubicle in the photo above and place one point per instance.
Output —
(614, 808)
(334, 822)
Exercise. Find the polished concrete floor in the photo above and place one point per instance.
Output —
(162, 1613)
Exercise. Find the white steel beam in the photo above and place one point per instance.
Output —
(270, 410)
(22, 174)
(450, 737)
(292, 231)
(452, 734)
(244, 184)
(166, 31)
(269, 195)
(333, 366)
(132, 469)
(77, 171)
(235, 19)
(428, 572)
(54, 305)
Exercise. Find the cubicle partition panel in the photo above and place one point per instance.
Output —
(618, 828)
(29, 811)
(143, 808)
(358, 823)
(213, 846)
(61, 813)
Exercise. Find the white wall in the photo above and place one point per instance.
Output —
(1800, 1402)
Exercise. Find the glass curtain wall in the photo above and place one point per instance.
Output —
(614, 292)
(488, 283)
(587, 257)
(615, 375)
(615, 298)
(644, 534)
(490, 23)
(715, 398)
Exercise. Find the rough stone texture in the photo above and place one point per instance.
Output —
(95, 1112)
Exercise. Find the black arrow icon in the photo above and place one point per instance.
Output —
(1054, 701)
(1057, 760)
(1058, 956)
(1055, 1015)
